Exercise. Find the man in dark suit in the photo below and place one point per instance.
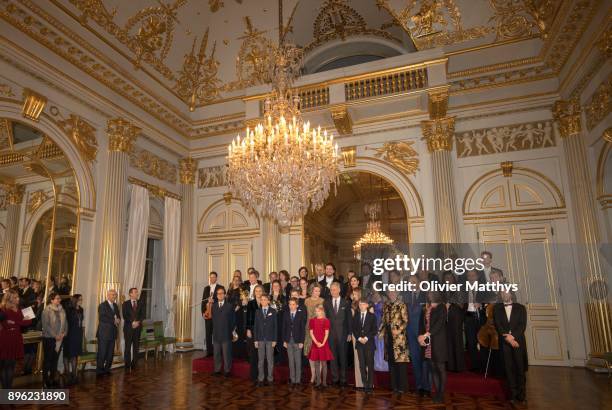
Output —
(251, 282)
(133, 314)
(108, 320)
(268, 286)
(209, 297)
(364, 332)
(27, 296)
(266, 333)
(330, 277)
(338, 311)
(511, 321)
(223, 326)
(475, 317)
(294, 331)
(415, 300)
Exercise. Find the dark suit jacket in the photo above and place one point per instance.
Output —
(130, 315)
(369, 330)
(223, 322)
(339, 323)
(297, 326)
(516, 327)
(206, 295)
(266, 328)
(437, 330)
(27, 298)
(325, 292)
(251, 310)
(106, 321)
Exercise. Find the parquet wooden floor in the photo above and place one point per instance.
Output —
(169, 384)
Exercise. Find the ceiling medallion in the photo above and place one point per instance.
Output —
(283, 168)
(373, 235)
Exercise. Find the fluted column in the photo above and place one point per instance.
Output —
(121, 136)
(270, 237)
(439, 132)
(187, 167)
(14, 197)
(599, 317)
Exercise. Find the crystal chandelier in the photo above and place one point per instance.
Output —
(283, 167)
(373, 234)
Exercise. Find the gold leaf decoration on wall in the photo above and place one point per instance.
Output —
(598, 106)
(522, 18)
(153, 165)
(215, 5)
(401, 154)
(82, 135)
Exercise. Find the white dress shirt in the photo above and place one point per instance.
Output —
(508, 309)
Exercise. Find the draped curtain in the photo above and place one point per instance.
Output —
(172, 239)
(137, 238)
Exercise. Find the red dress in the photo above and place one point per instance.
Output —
(11, 341)
(318, 327)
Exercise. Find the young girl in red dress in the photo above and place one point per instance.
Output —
(320, 352)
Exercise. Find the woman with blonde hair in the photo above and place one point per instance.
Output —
(11, 322)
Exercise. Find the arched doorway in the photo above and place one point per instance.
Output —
(331, 232)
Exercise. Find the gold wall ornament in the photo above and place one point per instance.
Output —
(567, 115)
(33, 104)
(508, 138)
(3, 202)
(432, 23)
(400, 154)
(506, 168)
(6, 90)
(95, 10)
(212, 177)
(153, 165)
(14, 193)
(187, 168)
(36, 199)
(227, 198)
(598, 106)
(215, 5)
(82, 135)
(605, 42)
(523, 18)
(439, 133)
(607, 135)
(254, 59)
(154, 190)
(348, 156)
(342, 120)
(121, 134)
(198, 82)
(438, 104)
(6, 135)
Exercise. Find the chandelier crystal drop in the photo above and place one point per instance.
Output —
(283, 167)
(374, 234)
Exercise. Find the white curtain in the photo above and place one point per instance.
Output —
(137, 237)
(172, 239)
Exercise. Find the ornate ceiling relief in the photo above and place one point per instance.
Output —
(153, 165)
(82, 135)
(510, 138)
(198, 82)
(598, 107)
(400, 154)
(432, 23)
(523, 18)
(337, 20)
(253, 60)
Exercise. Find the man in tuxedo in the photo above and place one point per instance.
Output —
(294, 331)
(266, 333)
(475, 317)
(27, 297)
(268, 286)
(133, 314)
(108, 320)
(511, 321)
(487, 261)
(252, 282)
(338, 311)
(364, 332)
(328, 279)
(223, 319)
(209, 296)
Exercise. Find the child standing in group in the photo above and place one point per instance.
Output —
(265, 338)
(320, 352)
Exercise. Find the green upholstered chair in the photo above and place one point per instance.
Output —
(159, 335)
(88, 356)
(148, 342)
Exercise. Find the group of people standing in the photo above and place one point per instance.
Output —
(325, 319)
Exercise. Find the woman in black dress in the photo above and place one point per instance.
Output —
(252, 308)
(454, 322)
(73, 343)
(433, 340)
(239, 298)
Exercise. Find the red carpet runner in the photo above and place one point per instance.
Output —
(465, 383)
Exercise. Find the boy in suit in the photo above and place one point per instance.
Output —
(294, 326)
(266, 332)
(364, 332)
(133, 315)
(223, 319)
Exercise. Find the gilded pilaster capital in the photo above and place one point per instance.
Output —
(14, 194)
(567, 115)
(187, 170)
(121, 135)
(438, 103)
(439, 133)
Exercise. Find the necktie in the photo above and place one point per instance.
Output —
(134, 304)
(362, 319)
(336, 306)
(265, 312)
(292, 316)
(220, 305)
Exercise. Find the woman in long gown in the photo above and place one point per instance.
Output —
(380, 364)
(355, 298)
(252, 307)
(239, 298)
(311, 303)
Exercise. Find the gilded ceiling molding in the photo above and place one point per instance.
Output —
(504, 79)
(6, 135)
(198, 82)
(6, 90)
(435, 23)
(121, 135)
(508, 138)
(401, 154)
(187, 168)
(567, 115)
(523, 18)
(33, 104)
(253, 60)
(154, 190)
(598, 106)
(153, 165)
(82, 135)
(337, 20)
